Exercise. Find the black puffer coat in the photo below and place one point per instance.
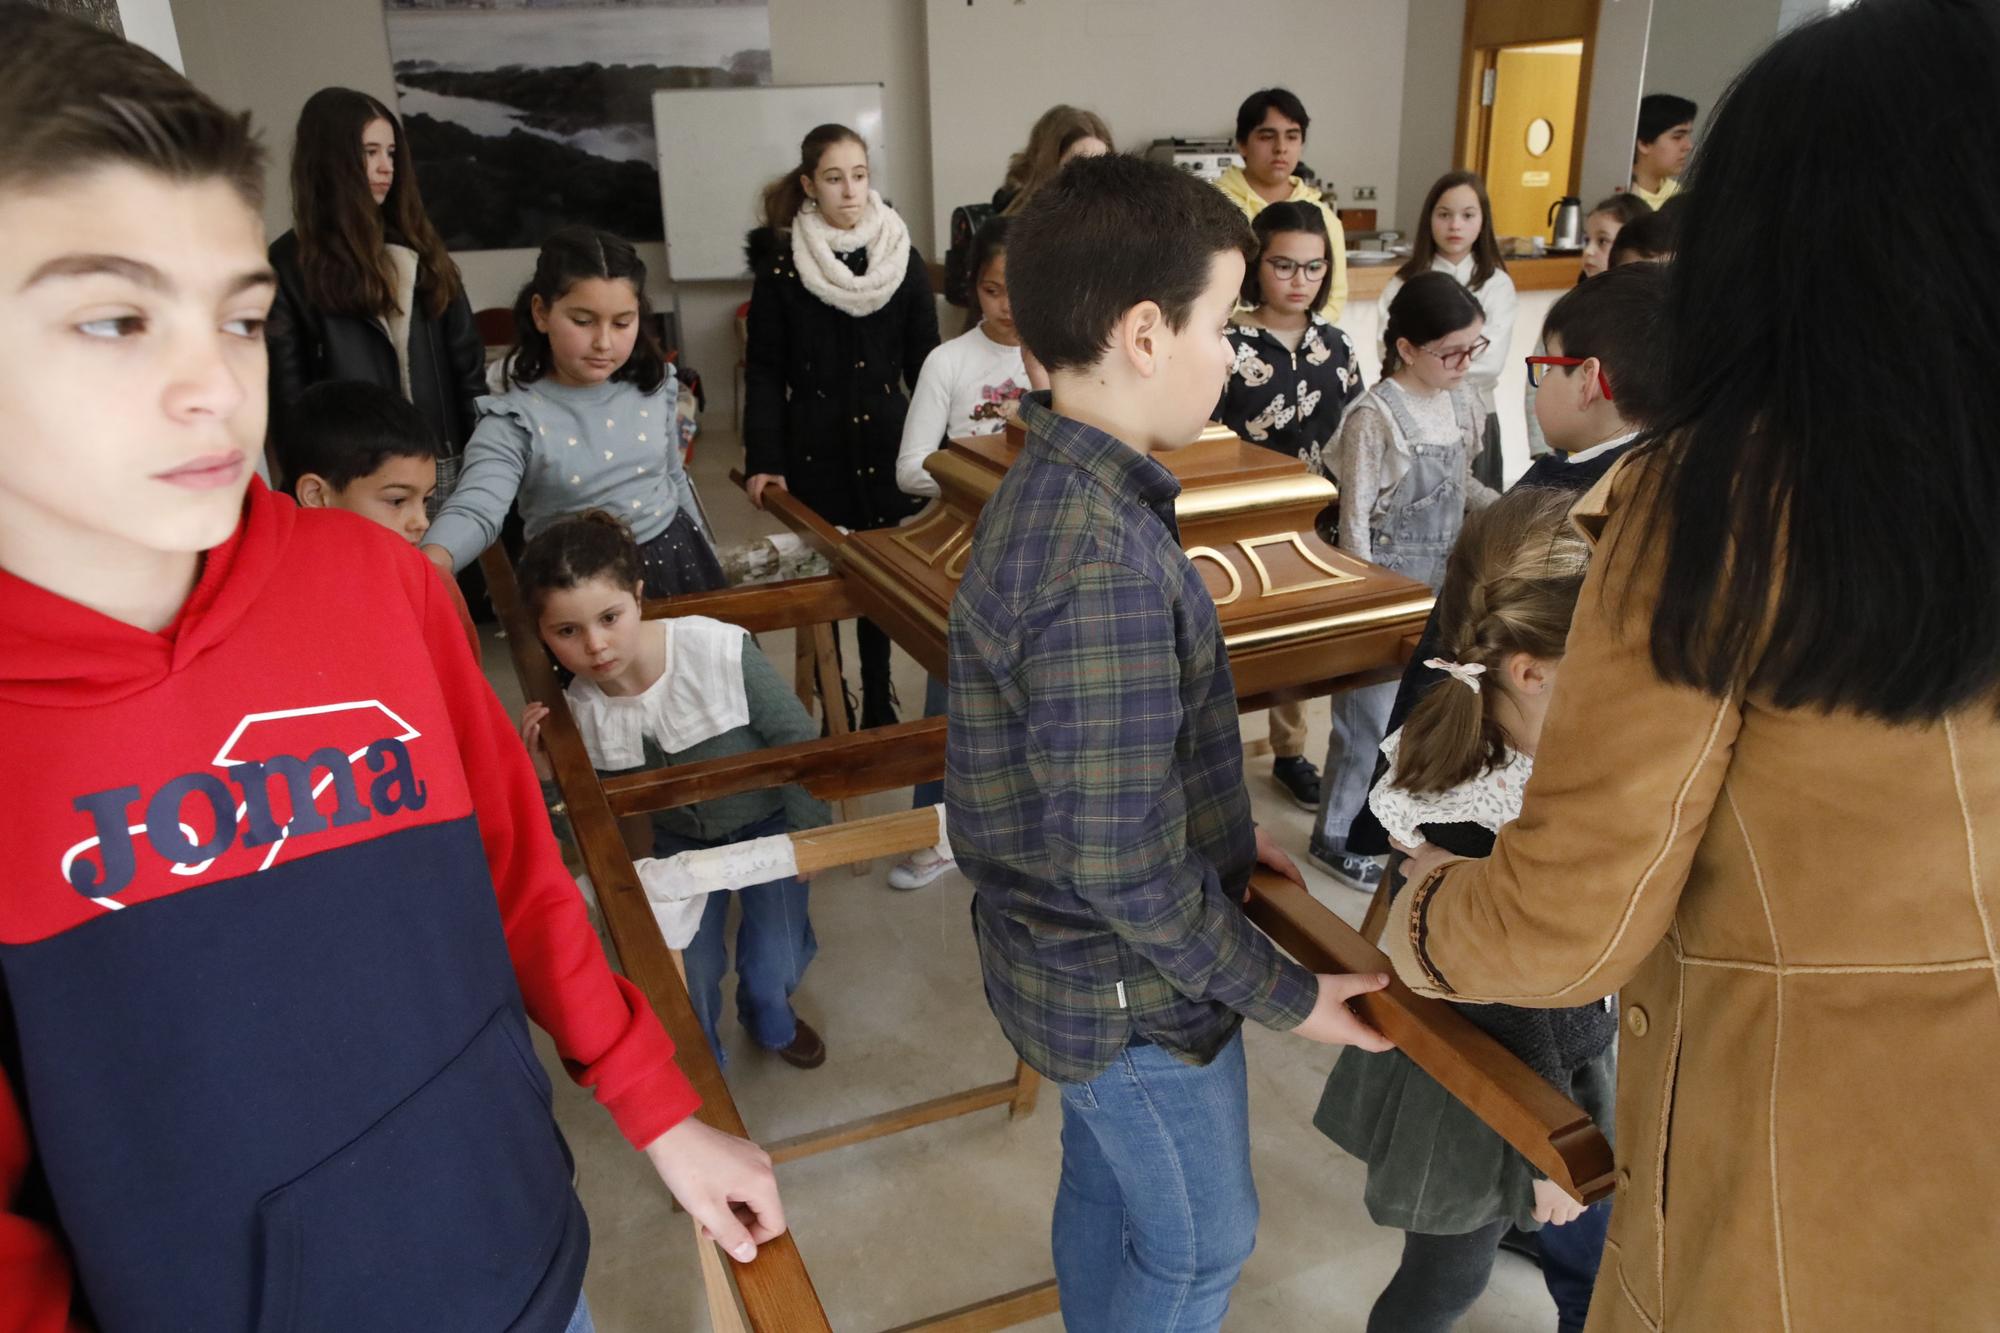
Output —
(826, 391)
(308, 346)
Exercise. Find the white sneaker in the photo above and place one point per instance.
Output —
(919, 869)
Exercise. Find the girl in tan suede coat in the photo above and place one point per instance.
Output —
(1766, 802)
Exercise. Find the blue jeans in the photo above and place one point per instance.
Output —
(774, 943)
(1157, 1211)
(580, 1321)
(1570, 1256)
(935, 699)
(1360, 721)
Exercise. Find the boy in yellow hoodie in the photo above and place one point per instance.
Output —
(1271, 135)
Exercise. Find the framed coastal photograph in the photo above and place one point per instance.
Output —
(524, 115)
(98, 13)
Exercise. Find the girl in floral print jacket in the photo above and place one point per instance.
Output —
(1295, 371)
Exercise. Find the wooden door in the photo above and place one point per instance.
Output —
(1494, 28)
(1531, 133)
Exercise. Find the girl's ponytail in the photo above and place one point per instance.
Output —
(1447, 738)
(1510, 587)
(786, 195)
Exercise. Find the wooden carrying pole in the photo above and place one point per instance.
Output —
(1544, 1126)
(776, 1292)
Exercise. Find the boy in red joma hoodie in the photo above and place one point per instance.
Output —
(279, 895)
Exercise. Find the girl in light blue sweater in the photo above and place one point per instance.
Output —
(587, 422)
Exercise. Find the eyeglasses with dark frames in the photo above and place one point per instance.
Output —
(1284, 268)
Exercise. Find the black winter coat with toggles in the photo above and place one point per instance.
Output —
(826, 391)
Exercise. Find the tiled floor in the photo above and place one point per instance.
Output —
(951, 1213)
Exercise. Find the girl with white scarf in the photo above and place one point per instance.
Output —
(841, 319)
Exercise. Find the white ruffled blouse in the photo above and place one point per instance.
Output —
(1491, 800)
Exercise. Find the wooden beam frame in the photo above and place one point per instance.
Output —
(1544, 1126)
(792, 604)
(776, 1291)
(1016, 1307)
(832, 768)
(777, 1294)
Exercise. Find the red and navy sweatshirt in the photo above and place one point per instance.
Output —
(278, 896)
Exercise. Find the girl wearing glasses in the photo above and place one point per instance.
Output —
(1295, 371)
(1404, 462)
(1457, 238)
(1294, 375)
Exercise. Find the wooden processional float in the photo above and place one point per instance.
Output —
(1299, 618)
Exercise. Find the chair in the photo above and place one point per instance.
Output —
(495, 325)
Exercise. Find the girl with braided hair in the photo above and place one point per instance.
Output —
(1457, 771)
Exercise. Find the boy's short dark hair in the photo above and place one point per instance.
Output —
(1618, 317)
(1660, 112)
(74, 98)
(1649, 237)
(344, 430)
(1105, 235)
(1264, 101)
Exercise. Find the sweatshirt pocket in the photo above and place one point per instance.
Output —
(445, 1213)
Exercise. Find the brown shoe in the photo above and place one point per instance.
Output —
(807, 1051)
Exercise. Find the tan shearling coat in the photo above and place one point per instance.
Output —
(1799, 913)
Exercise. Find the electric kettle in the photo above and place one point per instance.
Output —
(1566, 223)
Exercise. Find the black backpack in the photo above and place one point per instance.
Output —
(966, 220)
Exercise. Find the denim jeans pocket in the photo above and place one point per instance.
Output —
(1082, 1096)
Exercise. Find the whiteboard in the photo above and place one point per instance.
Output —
(719, 147)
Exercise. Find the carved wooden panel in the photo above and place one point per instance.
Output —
(1296, 613)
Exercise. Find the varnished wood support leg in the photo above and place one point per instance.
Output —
(802, 667)
(833, 696)
(1016, 1307)
(1027, 1086)
(724, 1314)
(1377, 917)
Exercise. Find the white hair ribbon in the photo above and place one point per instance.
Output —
(1465, 673)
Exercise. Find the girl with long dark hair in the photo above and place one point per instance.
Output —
(587, 422)
(1457, 237)
(366, 289)
(1766, 802)
(841, 320)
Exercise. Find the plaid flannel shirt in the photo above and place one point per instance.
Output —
(1093, 771)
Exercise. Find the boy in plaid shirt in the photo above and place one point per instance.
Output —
(1094, 775)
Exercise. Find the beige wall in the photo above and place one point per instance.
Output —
(1617, 72)
(1430, 105)
(1430, 98)
(1696, 47)
(1159, 69)
(270, 55)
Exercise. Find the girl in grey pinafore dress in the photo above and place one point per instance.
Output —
(1404, 462)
